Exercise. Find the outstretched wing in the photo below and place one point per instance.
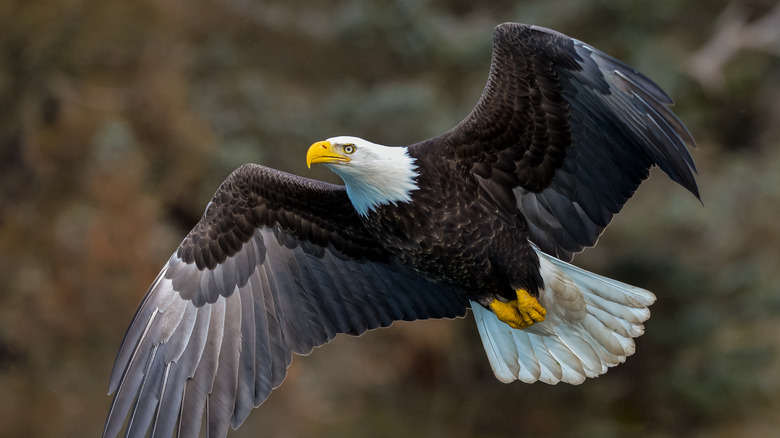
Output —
(565, 134)
(278, 264)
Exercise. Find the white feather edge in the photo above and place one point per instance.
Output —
(590, 325)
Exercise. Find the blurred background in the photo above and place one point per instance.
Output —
(118, 121)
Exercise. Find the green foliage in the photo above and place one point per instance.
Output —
(119, 120)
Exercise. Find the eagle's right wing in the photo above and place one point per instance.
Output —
(278, 264)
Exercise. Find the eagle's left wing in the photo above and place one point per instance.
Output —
(565, 134)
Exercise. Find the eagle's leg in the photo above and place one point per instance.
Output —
(521, 313)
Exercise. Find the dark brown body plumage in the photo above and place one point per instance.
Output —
(452, 233)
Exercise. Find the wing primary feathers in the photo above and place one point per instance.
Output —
(143, 408)
(160, 398)
(222, 396)
(182, 369)
(197, 388)
(247, 361)
(137, 331)
(274, 347)
(128, 385)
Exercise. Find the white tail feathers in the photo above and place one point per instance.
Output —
(590, 325)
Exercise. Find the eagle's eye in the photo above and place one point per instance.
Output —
(349, 149)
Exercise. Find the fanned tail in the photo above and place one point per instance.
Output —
(590, 326)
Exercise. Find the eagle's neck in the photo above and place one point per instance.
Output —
(389, 177)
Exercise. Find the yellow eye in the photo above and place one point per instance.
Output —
(349, 149)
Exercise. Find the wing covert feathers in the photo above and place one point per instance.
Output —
(590, 325)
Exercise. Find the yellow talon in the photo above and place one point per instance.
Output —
(521, 313)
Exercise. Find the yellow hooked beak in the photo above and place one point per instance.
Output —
(324, 152)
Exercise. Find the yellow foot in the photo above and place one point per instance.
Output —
(521, 313)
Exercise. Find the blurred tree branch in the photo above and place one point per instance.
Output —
(735, 30)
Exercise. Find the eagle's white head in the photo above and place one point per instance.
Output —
(373, 174)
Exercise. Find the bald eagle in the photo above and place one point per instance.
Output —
(484, 217)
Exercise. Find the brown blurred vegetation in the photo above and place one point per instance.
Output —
(119, 119)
